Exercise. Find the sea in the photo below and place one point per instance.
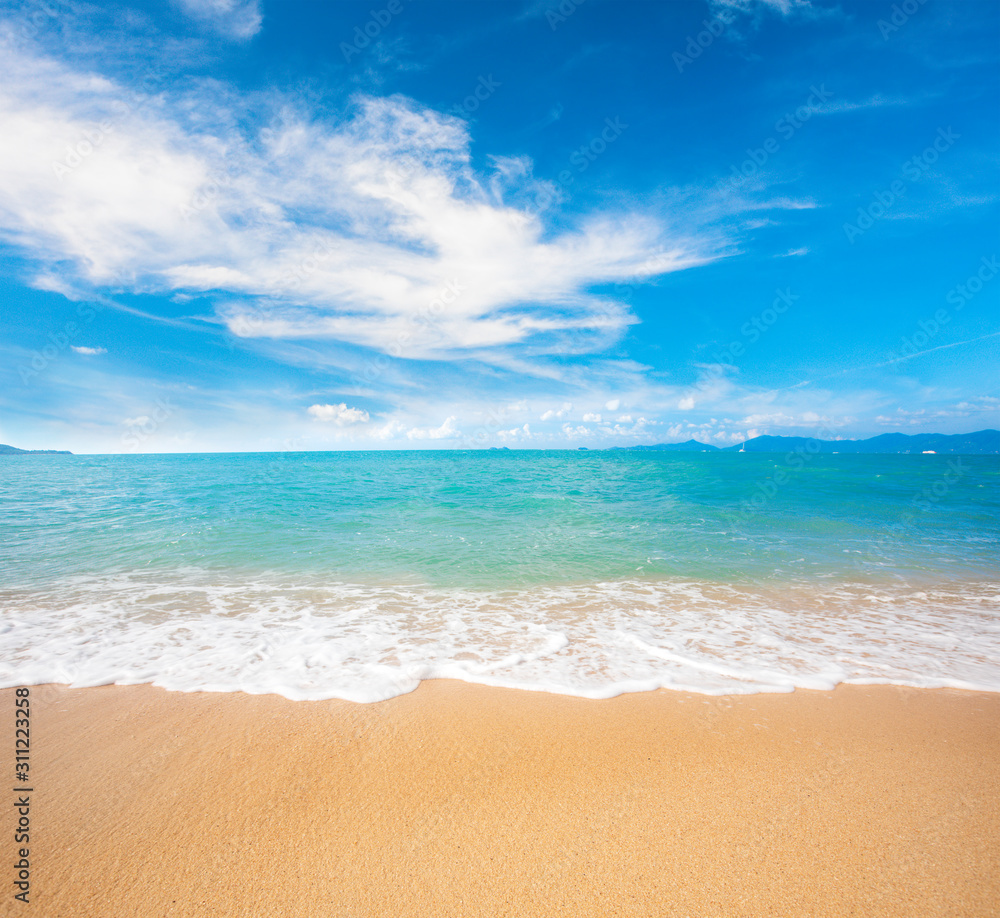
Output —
(357, 575)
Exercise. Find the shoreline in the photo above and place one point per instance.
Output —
(459, 799)
(192, 630)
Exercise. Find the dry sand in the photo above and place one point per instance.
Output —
(461, 800)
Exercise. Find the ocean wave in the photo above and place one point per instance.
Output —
(196, 630)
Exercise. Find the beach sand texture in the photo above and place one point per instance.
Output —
(461, 800)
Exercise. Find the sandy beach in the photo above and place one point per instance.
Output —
(463, 800)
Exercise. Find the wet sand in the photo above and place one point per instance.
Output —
(459, 800)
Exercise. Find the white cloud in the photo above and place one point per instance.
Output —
(613, 405)
(391, 431)
(373, 230)
(234, 19)
(686, 404)
(515, 434)
(553, 413)
(340, 414)
(591, 418)
(447, 431)
(88, 351)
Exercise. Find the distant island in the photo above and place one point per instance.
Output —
(688, 446)
(6, 450)
(982, 442)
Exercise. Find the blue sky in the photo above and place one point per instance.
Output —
(254, 225)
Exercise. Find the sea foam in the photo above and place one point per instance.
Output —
(196, 630)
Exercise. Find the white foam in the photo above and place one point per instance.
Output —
(196, 631)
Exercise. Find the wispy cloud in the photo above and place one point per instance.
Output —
(373, 229)
(784, 8)
(877, 100)
(920, 417)
(902, 358)
(238, 20)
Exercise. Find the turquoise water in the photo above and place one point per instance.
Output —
(520, 568)
(499, 520)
